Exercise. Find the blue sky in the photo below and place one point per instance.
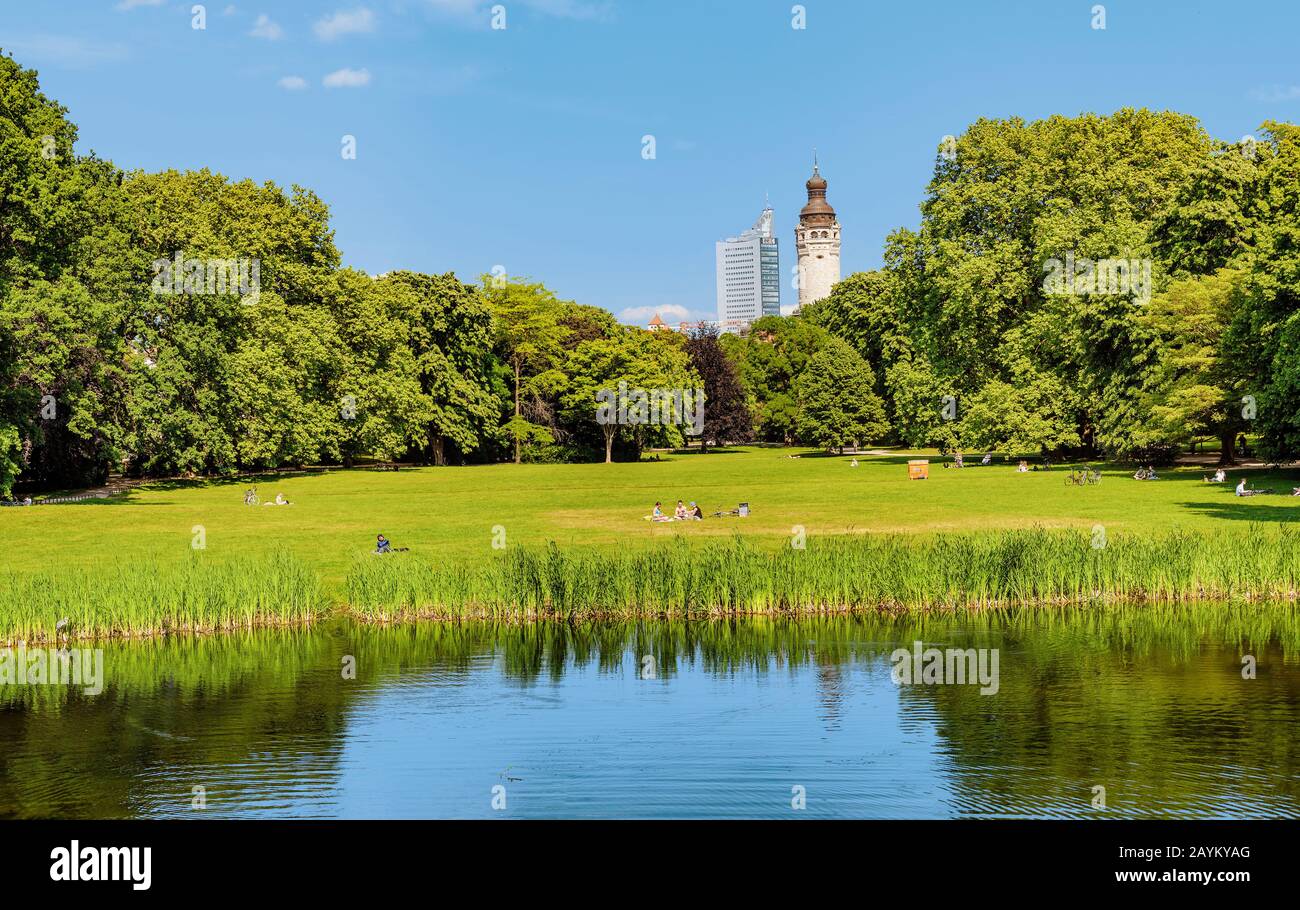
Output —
(522, 147)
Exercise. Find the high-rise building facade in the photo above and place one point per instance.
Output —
(817, 243)
(749, 275)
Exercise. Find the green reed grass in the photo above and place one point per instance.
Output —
(199, 595)
(997, 569)
(993, 570)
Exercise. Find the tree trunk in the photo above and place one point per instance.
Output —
(610, 430)
(1227, 439)
(437, 447)
(518, 460)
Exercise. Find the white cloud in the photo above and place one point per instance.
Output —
(342, 23)
(265, 28)
(292, 83)
(1275, 93)
(641, 315)
(347, 78)
(128, 5)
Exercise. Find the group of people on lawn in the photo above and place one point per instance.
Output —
(681, 513)
(959, 461)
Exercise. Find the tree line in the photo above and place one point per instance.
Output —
(179, 323)
(1122, 285)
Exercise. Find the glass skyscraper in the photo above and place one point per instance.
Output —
(749, 276)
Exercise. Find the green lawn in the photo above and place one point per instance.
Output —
(446, 514)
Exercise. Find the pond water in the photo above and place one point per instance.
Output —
(738, 719)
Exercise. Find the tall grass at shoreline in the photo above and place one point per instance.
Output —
(995, 569)
(199, 595)
(681, 579)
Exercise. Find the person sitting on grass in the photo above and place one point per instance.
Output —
(696, 513)
(988, 458)
(1023, 467)
(382, 545)
(680, 512)
(658, 513)
(1243, 490)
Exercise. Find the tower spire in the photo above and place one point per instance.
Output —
(817, 242)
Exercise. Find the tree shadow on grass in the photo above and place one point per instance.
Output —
(712, 451)
(1250, 509)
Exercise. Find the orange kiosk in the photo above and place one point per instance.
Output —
(918, 470)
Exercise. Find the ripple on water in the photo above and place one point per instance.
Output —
(742, 721)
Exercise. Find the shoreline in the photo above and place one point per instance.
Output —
(345, 615)
(709, 578)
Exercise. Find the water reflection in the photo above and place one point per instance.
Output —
(640, 720)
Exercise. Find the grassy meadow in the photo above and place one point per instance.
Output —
(447, 517)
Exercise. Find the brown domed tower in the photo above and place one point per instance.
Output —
(817, 242)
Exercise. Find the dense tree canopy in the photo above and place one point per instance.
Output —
(1119, 284)
(1065, 290)
(838, 405)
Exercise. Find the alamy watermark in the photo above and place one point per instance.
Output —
(23, 666)
(179, 275)
(953, 666)
(1098, 276)
(75, 863)
(657, 407)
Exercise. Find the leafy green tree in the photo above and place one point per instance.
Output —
(837, 399)
(529, 336)
(1196, 388)
(232, 374)
(609, 374)
(769, 359)
(65, 286)
(451, 333)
